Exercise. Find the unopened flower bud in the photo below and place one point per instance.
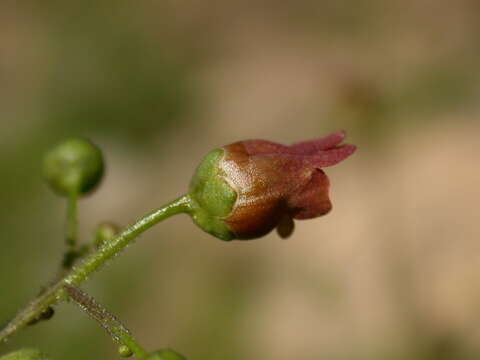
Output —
(248, 188)
(104, 233)
(125, 351)
(73, 167)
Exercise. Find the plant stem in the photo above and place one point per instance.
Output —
(56, 292)
(107, 320)
(72, 224)
(32, 311)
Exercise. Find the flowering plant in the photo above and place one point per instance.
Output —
(239, 191)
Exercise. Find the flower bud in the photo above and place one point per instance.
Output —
(73, 167)
(248, 188)
(125, 351)
(25, 354)
(104, 232)
(166, 354)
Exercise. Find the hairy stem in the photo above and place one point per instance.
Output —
(119, 333)
(79, 273)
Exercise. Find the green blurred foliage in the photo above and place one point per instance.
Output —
(25, 354)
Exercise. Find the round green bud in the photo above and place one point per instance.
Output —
(25, 354)
(104, 233)
(212, 197)
(166, 354)
(73, 167)
(124, 351)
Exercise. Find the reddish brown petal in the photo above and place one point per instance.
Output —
(262, 182)
(313, 146)
(329, 157)
(261, 147)
(276, 183)
(312, 200)
(249, 221)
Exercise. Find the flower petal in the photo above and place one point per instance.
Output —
(312, 200)
(314, 146)
(329, 157)
(263, 147)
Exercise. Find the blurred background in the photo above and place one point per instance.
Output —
(393, 272)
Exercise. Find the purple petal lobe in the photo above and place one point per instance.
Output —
(263, 147)
(313, 146)
(312, 200)
(329, 157)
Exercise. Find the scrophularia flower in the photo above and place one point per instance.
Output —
(248, 188)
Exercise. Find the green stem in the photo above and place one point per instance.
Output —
(72, 224)
(118, 243)
(79, 273)
(107, 320)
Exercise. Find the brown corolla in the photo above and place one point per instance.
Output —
(246, 189)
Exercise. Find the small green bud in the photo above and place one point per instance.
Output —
(104, 233)
(166, 354)
(124, 351)
(73, 167)
(25, 354)
(213, 197)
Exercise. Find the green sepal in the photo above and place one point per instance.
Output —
(212, 197)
